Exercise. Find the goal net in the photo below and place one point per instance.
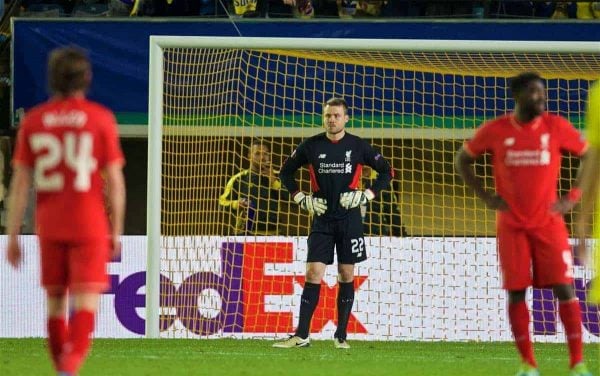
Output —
(220, 268)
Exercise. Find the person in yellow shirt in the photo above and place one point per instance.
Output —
(265, 8)
(588, 10)
(255, 194)
(589, 172)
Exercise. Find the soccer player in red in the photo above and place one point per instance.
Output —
(63, 146)
(526, 148)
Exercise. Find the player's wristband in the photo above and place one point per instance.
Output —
(574, 195)
(369, 194)
(298, 197)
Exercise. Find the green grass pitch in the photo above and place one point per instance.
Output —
(256, 357)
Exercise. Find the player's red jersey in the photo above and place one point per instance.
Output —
(67, 143)
(526, 160)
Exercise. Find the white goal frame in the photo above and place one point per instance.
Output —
(155, 108)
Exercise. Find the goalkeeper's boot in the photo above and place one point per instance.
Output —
(339, 343)
(293, 341)
(527, 370)
(580, 369)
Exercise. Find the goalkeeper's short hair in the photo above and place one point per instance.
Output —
(338, 102)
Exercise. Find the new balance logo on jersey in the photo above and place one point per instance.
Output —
(322, 156)
(510, 141)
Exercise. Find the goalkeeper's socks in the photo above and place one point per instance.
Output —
(81, 326)
(570, 315)
(345, 300)
(57, 335)
(308, 303)
(518, 315)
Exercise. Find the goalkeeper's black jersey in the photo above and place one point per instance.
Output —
(334, 168)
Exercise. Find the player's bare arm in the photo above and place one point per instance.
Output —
(17, 202)
(568, 201)
(225, 200)
(116, 198)
(464, 166)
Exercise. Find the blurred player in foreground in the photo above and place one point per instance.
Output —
(589, 171)
(63, 146)
(526, 148)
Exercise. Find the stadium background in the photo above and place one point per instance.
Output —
(119, 53)
(120, 57)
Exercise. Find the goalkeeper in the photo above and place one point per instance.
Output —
(334, 159)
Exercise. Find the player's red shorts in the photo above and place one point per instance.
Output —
(538, 256)
(79, 266)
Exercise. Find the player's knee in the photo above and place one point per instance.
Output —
(563, 292)
(315, 272)
(56, 303)
(313, 276)
(346, 277)
(516, 296)
(87, 301)
(56, 292)
(345, 273)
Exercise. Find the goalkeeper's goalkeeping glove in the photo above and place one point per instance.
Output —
(352, 199)
(314, 205)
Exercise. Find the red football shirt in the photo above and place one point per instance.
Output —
(67, 143)
(526, 160)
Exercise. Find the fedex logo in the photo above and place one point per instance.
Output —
(242, 287)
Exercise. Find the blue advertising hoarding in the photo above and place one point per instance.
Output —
(120, 54)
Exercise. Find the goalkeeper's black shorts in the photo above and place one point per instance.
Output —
(344, 235)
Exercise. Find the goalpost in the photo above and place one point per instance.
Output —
(416, 101)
